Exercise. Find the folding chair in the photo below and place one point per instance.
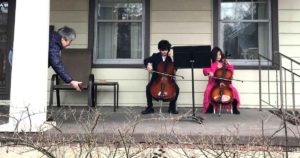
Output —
(77, 63)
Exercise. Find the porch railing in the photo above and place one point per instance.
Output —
(281, 81)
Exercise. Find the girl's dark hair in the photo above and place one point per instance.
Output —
(214, 53)
(164, 45)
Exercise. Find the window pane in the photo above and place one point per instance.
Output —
(3, 44)
(128, 11)
(244, 10)
(244, 40)
(105, 41)
(260, 10)
(244, 0)
(228, 0)
(260, 1)
(119, 40)
(236, 11)
(227, 11)
(104, 10)
(119, 11)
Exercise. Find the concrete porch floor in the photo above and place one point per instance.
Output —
(247, 126)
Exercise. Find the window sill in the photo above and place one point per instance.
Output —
(118, 66)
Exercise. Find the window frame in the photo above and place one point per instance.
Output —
(273, 33)
(118, 63)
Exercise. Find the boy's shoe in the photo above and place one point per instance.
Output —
(148, 110)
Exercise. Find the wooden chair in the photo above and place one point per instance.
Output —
(77, 63)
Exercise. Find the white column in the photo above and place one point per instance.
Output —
(28, 98)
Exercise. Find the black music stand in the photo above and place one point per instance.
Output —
(192, 57)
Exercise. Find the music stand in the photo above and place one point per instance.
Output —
(192, 57)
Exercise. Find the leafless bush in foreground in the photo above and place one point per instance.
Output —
(95, 140)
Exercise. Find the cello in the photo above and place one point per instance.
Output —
(163, 88)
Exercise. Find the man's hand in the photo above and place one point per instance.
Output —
(149, 67)
(76, 85)
(210, 74)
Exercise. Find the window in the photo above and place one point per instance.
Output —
(119, 27)
(245, 29)
(7, 10)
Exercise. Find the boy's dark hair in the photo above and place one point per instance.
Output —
(214, 53)
(164, 45)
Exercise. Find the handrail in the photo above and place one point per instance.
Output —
(295, 61)
(279, 64)
(282, 81)
(292, 76)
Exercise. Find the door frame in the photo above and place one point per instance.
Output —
(5, 92)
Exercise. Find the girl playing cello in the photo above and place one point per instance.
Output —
(217, 63)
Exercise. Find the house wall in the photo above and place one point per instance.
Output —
(289, 24)
(289, 32)
(72, 13)
(188, 23)
(289, 35)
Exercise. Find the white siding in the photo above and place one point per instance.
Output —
(289, 35)
(289, 24)
(187, 22)
(182, 23)
(72, 13)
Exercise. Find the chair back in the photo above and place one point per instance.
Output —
(78, 64)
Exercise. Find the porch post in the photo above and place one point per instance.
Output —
(28, 98)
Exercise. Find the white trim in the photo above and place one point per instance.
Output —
(29, 75)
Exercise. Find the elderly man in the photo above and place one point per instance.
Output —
(58, 41)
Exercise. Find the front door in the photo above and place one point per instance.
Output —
(7, 14)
